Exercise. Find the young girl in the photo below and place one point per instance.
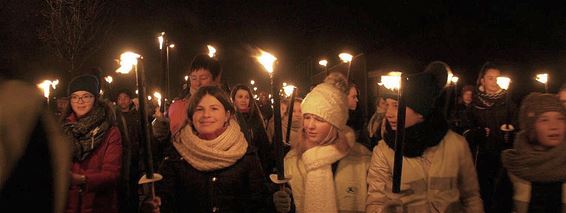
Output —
(327, 167)
(245, 104)
(211, 167)
(536, 165)
(438, 174)
(97, 149)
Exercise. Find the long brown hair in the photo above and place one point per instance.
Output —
(251, 104)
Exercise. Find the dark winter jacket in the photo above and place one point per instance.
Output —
(238, 188)
(493, 117)
(460, 118)
(259, 140)
(487, 150)
(128, 123)
(515, 194)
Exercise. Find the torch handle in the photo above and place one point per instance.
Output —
(290, 116)
(399, 139)
(278, 130)
(145, 135)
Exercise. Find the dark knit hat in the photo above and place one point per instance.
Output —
(87, 83)
(125, 91)
(534, 105)
(422, 89)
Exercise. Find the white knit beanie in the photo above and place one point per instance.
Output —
(328, 100)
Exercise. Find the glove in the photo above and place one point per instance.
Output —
(151, 205)
(160, 128)
(282, 200)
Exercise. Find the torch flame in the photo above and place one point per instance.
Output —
(323, 62)
(108, 79)
(454, 79)
(186, 77)
(267, 60)
(392, 80)
(542, 78)
(55, 83)
(211, 51)
(289, 90)
(345, 57)
(127, 62)
(45, 87)
(158, 97)
(503, 82)
(161, 40)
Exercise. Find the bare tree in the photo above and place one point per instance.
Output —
(76, 29)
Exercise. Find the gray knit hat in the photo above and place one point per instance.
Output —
(534, 105)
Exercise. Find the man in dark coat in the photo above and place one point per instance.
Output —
(128, 122)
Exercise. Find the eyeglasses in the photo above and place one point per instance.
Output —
(85, 99)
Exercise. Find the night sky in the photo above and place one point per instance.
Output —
(525, 36)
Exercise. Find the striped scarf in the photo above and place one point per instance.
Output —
(484, 100)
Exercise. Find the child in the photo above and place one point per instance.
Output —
(536, 166)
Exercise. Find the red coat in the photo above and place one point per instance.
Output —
(178, 114)
(102, 171)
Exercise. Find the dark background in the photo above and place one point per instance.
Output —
(525, 36)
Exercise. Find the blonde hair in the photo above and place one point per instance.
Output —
(334, 137)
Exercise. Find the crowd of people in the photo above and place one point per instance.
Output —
(215, 151)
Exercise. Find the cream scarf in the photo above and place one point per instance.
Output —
(320, 192)
(209, 155)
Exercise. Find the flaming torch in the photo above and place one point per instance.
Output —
(46, 86)
(543, 78)
(165, 46)
(268, 60)
(346, 58)
(324, 63)
(211, 51)
(504, 83)
(454, 80)
(129, 61)
(395, 81)
(158, 97)
(289, 92)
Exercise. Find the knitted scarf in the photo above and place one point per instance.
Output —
(535, 165)
(87, 133)
(320, 192)
(208, 155)
(420, 136)
(484, 100)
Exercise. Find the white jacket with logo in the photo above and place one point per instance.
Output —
(349, 179)
(443, 179)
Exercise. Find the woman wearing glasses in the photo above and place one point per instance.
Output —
(96, 144)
